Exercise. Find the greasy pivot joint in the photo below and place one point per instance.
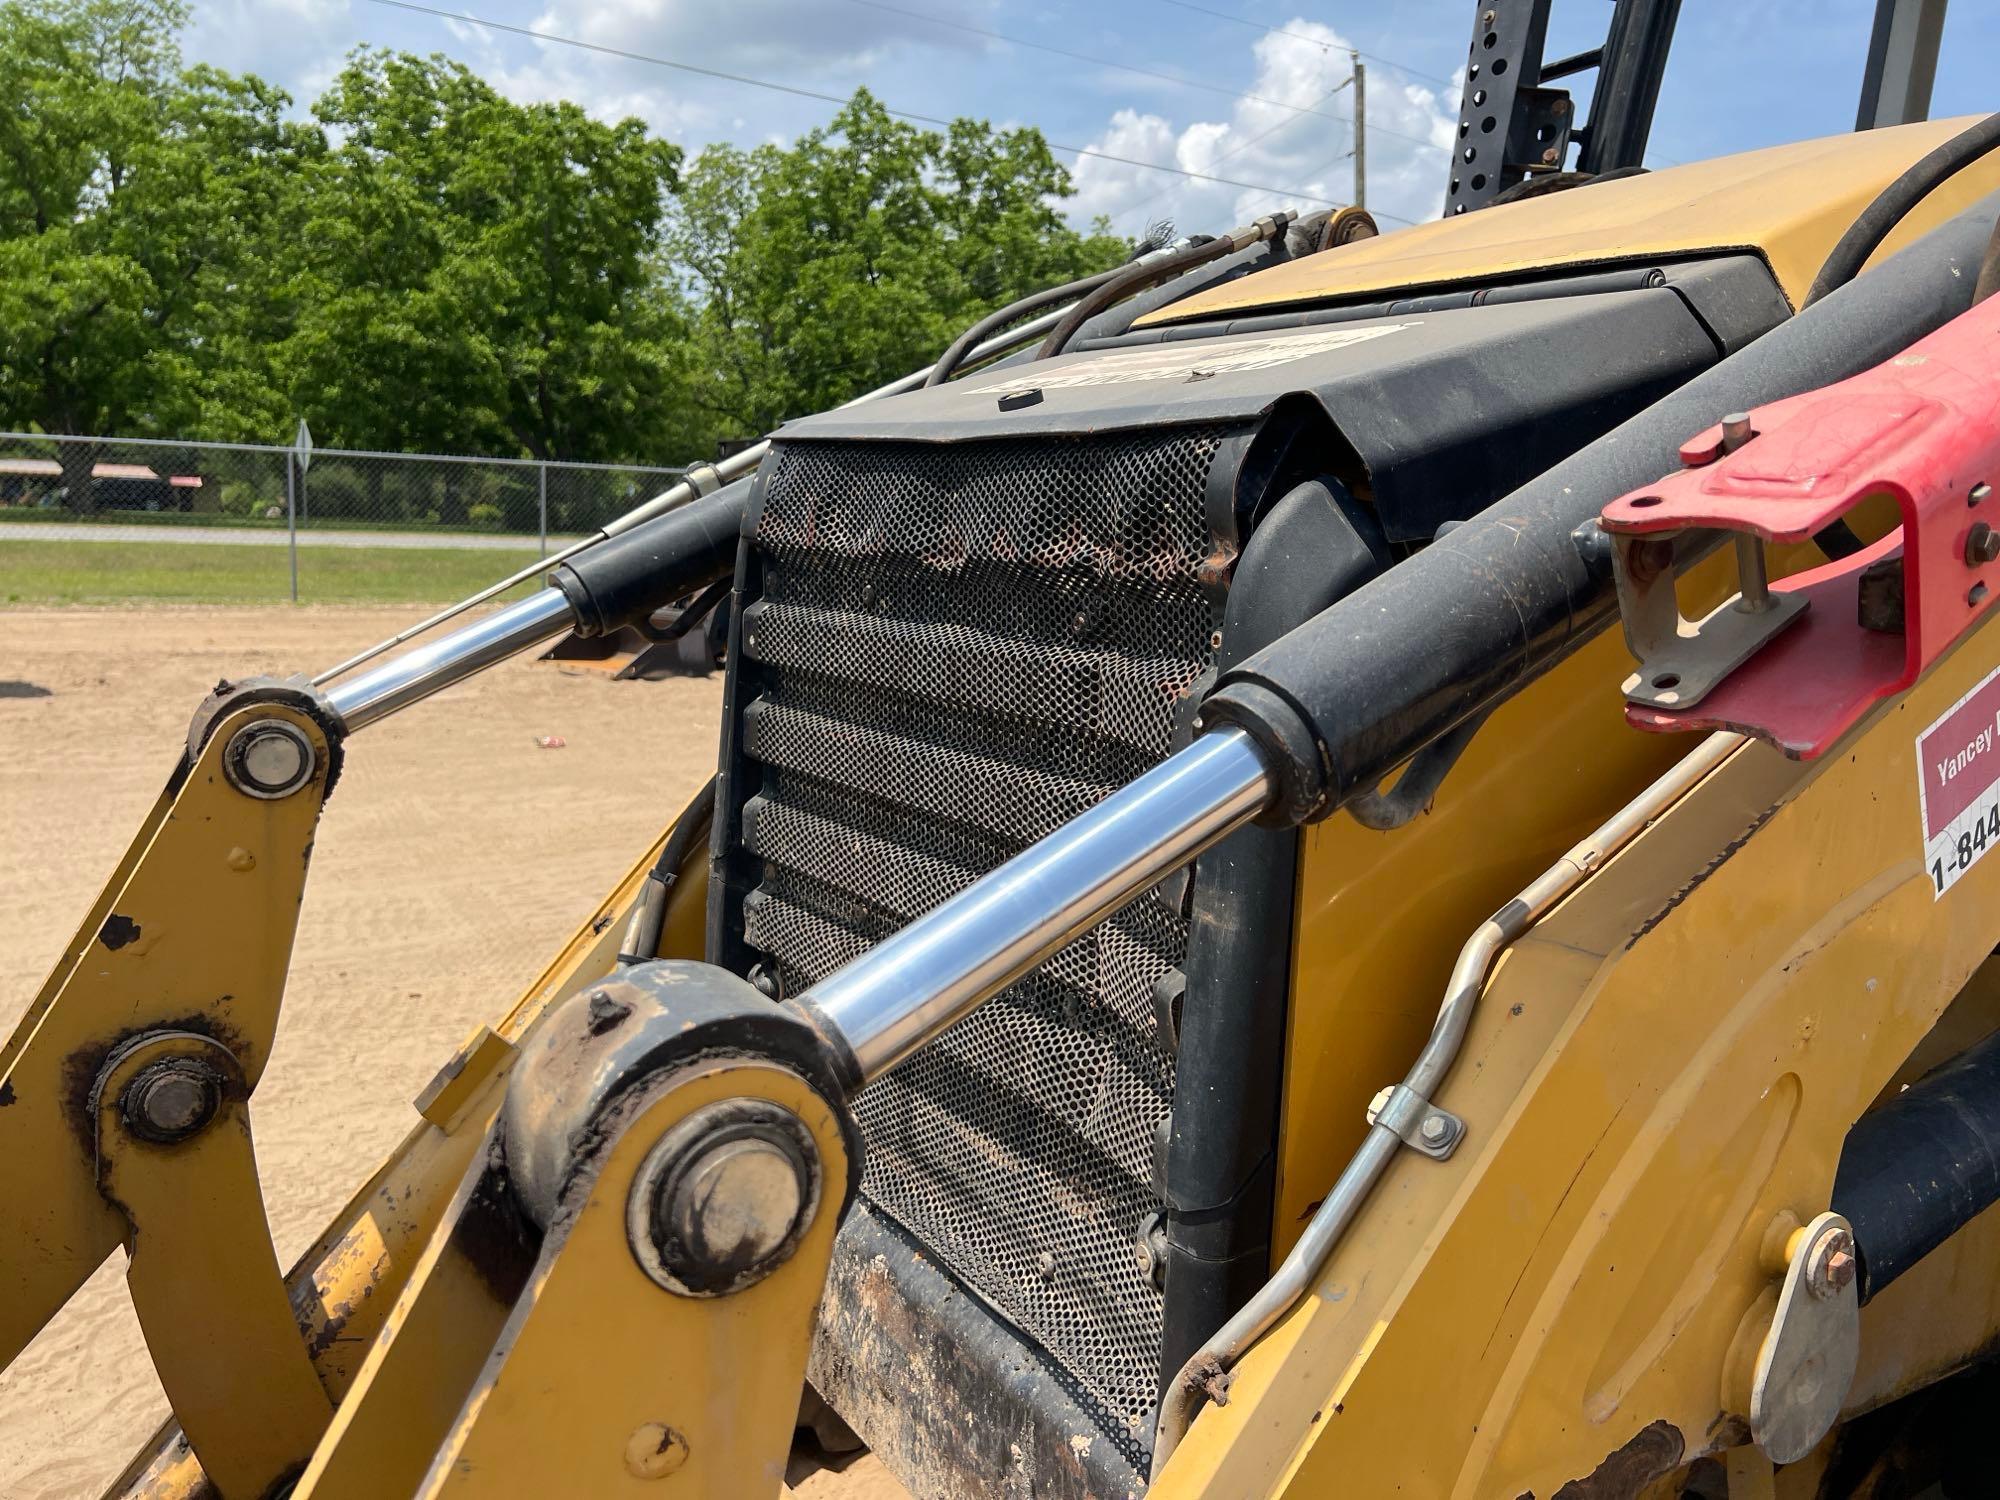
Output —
(723, 1198)
(171, 1100)
(268, 759)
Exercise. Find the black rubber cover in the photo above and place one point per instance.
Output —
(622, 581)
(1920, 1168)
(1501, 599)
(1306, 552)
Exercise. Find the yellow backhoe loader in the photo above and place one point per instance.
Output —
(1339, 865)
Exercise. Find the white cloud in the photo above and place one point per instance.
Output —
(297, 44)
(1304, 151)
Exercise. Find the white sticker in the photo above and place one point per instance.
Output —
(1186, 361)
(1958, 788)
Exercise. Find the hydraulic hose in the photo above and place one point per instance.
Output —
(992, 323)
(1138, 277)
(649, 913)
(1917, 181)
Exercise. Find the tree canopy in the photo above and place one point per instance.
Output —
(808, 274)
(420, 263)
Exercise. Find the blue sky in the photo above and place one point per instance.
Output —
(1270, 109)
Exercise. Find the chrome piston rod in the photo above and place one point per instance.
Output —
(908, 989)
(415, 675)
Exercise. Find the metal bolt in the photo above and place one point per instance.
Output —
(171, 1100)
(1736, 431)
(736, 1203)
(1435, 1130)
(1830, 1264)
(1978, 493)
(1982, 545)
(1549, 155)
(1214, 639)
(654, 1451)
(1045, 1264)
(268, 759)
(1976, 595)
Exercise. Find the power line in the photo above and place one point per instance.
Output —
(805, 93)
(1100, 62)
(1300, 36)
(1237, 149)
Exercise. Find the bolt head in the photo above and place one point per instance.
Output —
(1982, 545)
(171, 1100)
(1830, 1263)
(1435, 1130)
(737, 1202)
(1549, 155)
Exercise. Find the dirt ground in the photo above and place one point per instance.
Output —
(455, 856)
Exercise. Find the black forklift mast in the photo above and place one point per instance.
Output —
(1512, 125)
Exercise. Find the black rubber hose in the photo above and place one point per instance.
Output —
(1345, 698)
(1137, 278)
(1013, 312)
(1917, 182)
(649, 915)
(1924, 1165)
(1837, 539)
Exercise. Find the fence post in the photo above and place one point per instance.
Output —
(542, 469)
(292, 515)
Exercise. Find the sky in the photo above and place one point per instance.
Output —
(1257, 92)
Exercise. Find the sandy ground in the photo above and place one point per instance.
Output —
(455, 856)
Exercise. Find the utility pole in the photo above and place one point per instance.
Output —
(1360, 131)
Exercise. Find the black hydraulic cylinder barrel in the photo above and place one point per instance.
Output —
(623, 580)
(1344, 699)
(1923, 1166)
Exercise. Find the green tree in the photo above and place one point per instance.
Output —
(477, 275)
(133, 195)
(806, 275)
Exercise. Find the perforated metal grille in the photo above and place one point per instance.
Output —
(956, 649)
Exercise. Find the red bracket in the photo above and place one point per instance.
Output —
(1924, 429)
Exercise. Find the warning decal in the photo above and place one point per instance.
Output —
(1958, 770)
(1197, 359)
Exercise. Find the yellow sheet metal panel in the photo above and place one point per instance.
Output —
(1381, 915)
(1655, 1073)
(1788, 203)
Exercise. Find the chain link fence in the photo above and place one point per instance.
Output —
(297, 500)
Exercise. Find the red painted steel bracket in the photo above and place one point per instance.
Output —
(1793, 663)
